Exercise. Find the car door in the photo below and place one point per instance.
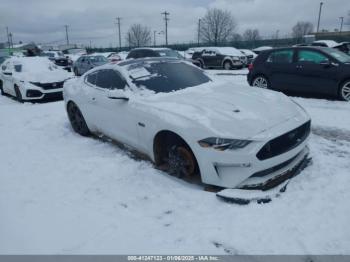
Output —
(84, 65)
(78, 65)
(7, 77)
(281, 67)
(209, 58)
(113, 117)
(316, 72)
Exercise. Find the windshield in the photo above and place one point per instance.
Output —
(48, 54)
(340, 56)
(165, 76)
(98, 59)
(169, 53)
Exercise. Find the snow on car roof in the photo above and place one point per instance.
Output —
(34, 64)
(38, 69)
(152, 48)
(225, 50)
(329, 43)
(262, 48)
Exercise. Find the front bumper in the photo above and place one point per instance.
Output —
(242, 169)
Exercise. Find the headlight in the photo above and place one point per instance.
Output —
(222, 144)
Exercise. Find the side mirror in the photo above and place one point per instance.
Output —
(3, 68)
(326, 63)
(117, 94)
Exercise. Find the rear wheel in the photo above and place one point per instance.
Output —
(77, 120)
(261, 82)
(18, 94)
(344, 92)
(227, 65)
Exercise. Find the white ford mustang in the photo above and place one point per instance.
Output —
(182, 119)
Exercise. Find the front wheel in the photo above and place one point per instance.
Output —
(77, 120)
(1, 88)
(261, 82)
(18, 94)
(344, 92)
(181, 161)
(227, 65)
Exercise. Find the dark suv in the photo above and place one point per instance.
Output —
(220, 57)
(319, 70)
(157, 52)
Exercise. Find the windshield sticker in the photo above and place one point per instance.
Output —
(139, 72)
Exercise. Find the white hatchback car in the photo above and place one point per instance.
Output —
(181, 118)
(32, 78)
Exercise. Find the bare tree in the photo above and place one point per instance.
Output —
(251, 35)
(237, 37)
(138, 35)
(302, 28)
(217, 26)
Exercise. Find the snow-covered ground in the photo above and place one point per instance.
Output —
(61, 193)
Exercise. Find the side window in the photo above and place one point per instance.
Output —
(133, 54)
(92, 78)
(109, 79)
(311, 57)
(281, 57)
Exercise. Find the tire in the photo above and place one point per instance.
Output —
(261, 82)
(1, 90)
(344, 91)
(201, 65)
(181, 161)
(18, 94)
(227, 65)
(77, 120)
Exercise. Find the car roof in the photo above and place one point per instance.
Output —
(148, 59)
(151, 48)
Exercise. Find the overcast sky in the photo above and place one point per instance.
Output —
(43, 21)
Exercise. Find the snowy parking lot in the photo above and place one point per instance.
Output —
(61, 193)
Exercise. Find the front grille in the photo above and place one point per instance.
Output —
(49, 86)
(53, 96)
(285, 142)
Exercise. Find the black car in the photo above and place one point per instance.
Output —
(59, 59)
(320, 70)
(157, 52)
(220, 57)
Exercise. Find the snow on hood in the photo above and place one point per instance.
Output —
(225, 109)
(39, 69)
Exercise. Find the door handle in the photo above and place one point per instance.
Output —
(93, 99)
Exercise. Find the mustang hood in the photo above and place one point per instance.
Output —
(227, 110)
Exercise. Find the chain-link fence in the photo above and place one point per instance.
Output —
(281, 42)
